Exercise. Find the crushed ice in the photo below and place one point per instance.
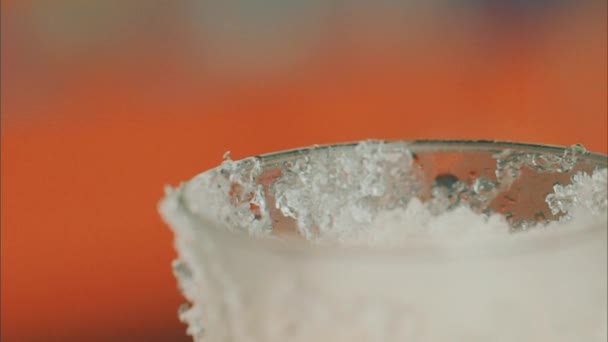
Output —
(346, 193)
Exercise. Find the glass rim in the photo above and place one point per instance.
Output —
(430, 145)
(414, 249)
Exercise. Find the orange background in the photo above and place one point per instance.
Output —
(93, 128)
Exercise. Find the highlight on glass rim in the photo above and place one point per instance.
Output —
(376, 240)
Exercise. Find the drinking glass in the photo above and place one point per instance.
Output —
(250, 272)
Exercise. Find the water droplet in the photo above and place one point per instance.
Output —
(483, 185)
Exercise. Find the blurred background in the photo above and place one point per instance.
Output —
(105, 102)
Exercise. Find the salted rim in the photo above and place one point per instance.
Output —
(417, 249)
